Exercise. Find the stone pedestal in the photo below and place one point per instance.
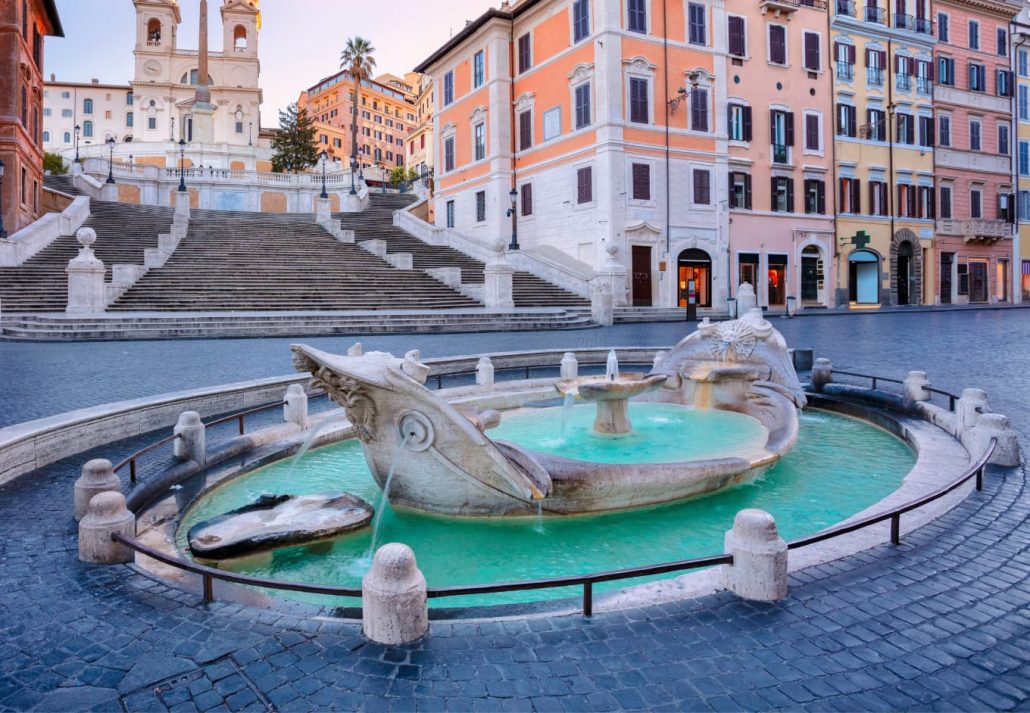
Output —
(295, 408)
(917, 386)
(106, 516)
(485, 373)
(759, 569)
(394, 606)
(822, 373)
(182, 207)
(497, 282)
(109, 192)
(191, 443)
(323, 213)
(996, 426)
(746, 299)
(86, 291)
(606, 286)
(203, 123)
(569, 366)
(97, 477)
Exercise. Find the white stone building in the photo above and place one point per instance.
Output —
(101, 111)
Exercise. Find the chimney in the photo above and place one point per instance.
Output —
(95, 81)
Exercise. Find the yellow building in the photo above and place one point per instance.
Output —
(1021, 165)
(884, 132)
(418, 147)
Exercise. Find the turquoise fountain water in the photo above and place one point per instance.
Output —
(838, 467)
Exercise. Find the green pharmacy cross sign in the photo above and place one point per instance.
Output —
(860, 240)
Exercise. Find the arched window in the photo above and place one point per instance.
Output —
(87, 129)
(154, 32)
(239, 38)
(67, 137)
(128, 99)
(87, 106)
(694, 266)
(379, 154)
(46, 137)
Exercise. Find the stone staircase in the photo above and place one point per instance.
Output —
(40, 284)
(63, 184)
(377, 223)
(237, 261)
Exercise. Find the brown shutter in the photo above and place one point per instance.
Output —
(790, 195)
(527, 199)
(641, 182)
(747, 191)
(747, 123)
(856, 196)
(736, 36)
(789, 122)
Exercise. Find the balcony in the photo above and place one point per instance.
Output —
(904, 82)
(923, 26)
(904, 22)
(780, 153)
(787, 7)
(845, 71)
(975, 229)
(924, 85)
(874, 76)
(875, 14)
(846, 7)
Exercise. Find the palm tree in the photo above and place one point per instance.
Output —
(357, 59)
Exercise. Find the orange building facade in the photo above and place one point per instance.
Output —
(606, 119)
(23, 25)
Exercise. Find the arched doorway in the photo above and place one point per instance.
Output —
(904, 263)
(864, 277)
(812, 277)
(694, 265)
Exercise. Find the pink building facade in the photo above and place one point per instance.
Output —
(780, 174)
(973, 166)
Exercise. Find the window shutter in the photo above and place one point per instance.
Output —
(736, 36)
(747, 191)
(774, 184)
(851, 53)
(931, 132)
(747, 123)
(856, 196)
(897, 64)
(772, 126)
(911, 202)
(732, 195)
(929, 71)
(790, 195)
(776, 48)
(790, 128)
(811, 51)
(525, 130)
(868, 53)
(883, 58)
(872, 197)
(641, 182)
(932, 202)
(527, 199)
(820, 197)
(852, 120)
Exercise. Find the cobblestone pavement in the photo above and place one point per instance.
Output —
(938, 623)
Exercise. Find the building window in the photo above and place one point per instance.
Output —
(448, 88)
(944, 130)
(974, 135)
(1023, 63)
(638, 104)
(448, 154)
(66, 113)
(128, 119)
(696, 23)
(239, 127)
(699, 109)
(525, 130)
(87, 106)
(584, 185)
(87, 129)
(846, 120)
(974, 35)
(878, 197)
(740, 190)
(67, 137)
(128, 99)
(552, 123)
(450, 214)
(976, 203)
(580, 19)
(152, 123)
(849, 195)
(946, 201)
(906, 130)
(480, 206)
(525, 59)
(777, 44)
(926, 131)
(479, 141)
(478, 69)
(637, 15)
(813, 137)
(946, 71)
(527, 199)
(812, 58)
(1003, 139)
(702, 187)
(1024, 159)
(1003, 83)
(583, 114)
(782, 195)
(876, 125)
(46, 137)
(737, 44)
(942, 27)
(641, 181)
(739, 122)
(1003, 44)
(781, 130)
(815, 196)
(906, 207)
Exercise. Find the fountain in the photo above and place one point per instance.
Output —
(611, 393)
(450, 466)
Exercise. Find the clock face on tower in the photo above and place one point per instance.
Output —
(152, 67)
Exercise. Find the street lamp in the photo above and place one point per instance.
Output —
(324, 156)
(77, 130)
(514, 195)
(353, 169)
(182, 165)
(250, 133)
(110, 159)
(3, 233)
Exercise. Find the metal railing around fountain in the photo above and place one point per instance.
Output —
(877, 380)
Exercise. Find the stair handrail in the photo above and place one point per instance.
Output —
(28, 241)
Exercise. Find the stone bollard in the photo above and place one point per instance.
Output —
(917, 386)
(971, 404)
(995, 425)
(746, 299)
(822, 373)
(497, 281)
(485, 373)
(323, 213)
(87, 293)
(802, 358)
(97, 477)
(394, 606)
(759, 569)
(191, 442)
(569, 366)
(295, 408)
(356, 350)
(106, 516)
(182, 207)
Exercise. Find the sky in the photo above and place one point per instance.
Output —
(300, 40)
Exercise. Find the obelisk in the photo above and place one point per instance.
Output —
(203, 109)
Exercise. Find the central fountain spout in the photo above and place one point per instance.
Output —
(611, 393)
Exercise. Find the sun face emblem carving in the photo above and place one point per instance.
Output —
(733, 341)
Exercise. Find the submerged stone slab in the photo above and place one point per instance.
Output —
(278, 521)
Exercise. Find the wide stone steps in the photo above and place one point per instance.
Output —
(64, 184)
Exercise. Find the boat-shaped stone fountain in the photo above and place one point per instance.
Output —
(443, 461)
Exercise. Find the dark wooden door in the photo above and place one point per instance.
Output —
(641, 276)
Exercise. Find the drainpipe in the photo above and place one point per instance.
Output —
(890, 159)
(1017, 264)
(511, 106)
(833, 156)
(668, 118)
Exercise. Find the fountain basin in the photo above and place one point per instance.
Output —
(612, 393)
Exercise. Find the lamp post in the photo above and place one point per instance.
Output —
(325, 157)
(353, 169)
(514, 244)
(110, 159)
(3, 233)
(77, 130)
(182, 165)
(250, 133)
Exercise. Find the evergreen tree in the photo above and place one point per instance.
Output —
(294, 145)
